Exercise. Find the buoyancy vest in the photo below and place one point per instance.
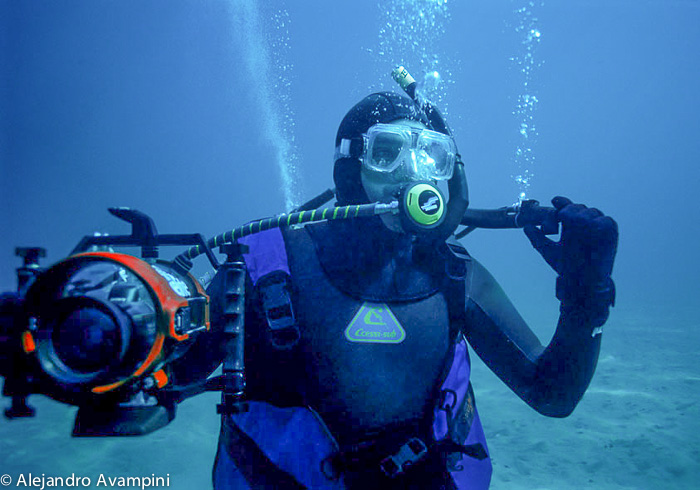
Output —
(353, 368)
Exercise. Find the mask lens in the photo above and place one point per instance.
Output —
(384, 151)
(438, 153)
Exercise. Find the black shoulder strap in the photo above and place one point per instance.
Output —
(454, 289)
(455, 285)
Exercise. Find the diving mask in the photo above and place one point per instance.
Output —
(408, 152)
(405, 153)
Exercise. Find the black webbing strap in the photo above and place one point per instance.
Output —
(258, 470)
(398, 462)
(475, 451)
(454, 286)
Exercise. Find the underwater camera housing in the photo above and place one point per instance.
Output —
(101, 330)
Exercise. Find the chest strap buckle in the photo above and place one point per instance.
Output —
(408, 455)
(283, 330)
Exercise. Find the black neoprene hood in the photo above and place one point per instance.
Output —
(382, 107)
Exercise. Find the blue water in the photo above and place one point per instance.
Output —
(207, 115)
(264, 45)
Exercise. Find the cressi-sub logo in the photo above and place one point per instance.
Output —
(375, 323)
(429, 202)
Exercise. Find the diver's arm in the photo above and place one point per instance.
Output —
(550, 379)
(553, 379)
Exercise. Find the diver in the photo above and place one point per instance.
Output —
(357, 330)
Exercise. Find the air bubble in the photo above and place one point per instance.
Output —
(266, 59)
(527, 28)
(415, 42)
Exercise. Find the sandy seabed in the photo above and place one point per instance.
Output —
(636, 428)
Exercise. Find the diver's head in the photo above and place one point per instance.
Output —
(386, 143)
(383, 107)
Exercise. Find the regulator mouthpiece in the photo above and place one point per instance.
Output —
(422, 207)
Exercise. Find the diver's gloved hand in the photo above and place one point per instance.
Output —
(584, 255)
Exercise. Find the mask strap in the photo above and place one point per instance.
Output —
(350, 148)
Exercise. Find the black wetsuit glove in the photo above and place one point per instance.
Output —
(583, 257)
